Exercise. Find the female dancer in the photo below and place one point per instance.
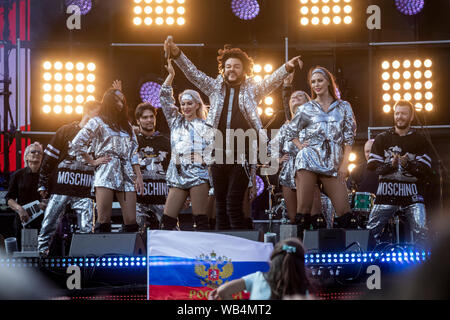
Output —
(111, 139)
(330, 130)
(187, 175)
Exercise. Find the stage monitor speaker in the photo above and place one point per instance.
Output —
(336, 240)
(254, 235)
(99, 244)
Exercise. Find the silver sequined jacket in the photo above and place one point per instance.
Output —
(186, 138)
(326, 134)
(250, 92)
(101, 140)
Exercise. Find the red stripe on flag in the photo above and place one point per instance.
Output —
(185, 293)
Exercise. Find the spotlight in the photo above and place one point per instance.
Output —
(91, 66)
(69, 76)
(245, 9)
(149, 92)
(68, 99)
(90, 77)
(396, 64)
(407, 85)
(148, 21)
(257, 78)
(79, 77)
(428, 74)
(79, 99)
(337, 20)
(46, 108)
(429, 106)
(268, 68)
(181, 21)
(57, 87)
(90, 98)
(417, 63)
(68, 109)
(385, 65)
(428, 95)
(418, 106)
(260, 110)
(386, 108)
(47, 65)
(409, 7)
(269, 111)
(79, 88)
(396, 86)
(406, 64)
(351, 167)
(58, 98)
(257, 68)
(47, 97)
(90, 88)
(79, 109)
(386, 86)
(58, 76)
(427, 63)
(57, 109)
(159, 21)
(268, 101)
(352, 157)
(47, 87)
(332, 11)
(428, 85)
(137, 21)
(58, 65)
(84, 5)
(418, 85)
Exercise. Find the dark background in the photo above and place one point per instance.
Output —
(343, 49)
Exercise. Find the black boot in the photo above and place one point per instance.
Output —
(168, 223)
(200, 222)
(103, 228)
(303, 222)
(212, 223)
(346, 221)
(318, 222)
(130, 227)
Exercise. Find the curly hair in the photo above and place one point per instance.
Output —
(229, 52)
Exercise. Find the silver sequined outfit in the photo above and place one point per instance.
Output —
(250, 92)
(186, 138)
(326, 134)
(118, 173)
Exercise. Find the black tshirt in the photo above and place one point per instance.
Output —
(23, 187)
(401, 186)
(154, 155)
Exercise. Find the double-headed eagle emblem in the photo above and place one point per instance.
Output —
(212, 269)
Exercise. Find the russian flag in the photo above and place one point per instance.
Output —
(185, 265)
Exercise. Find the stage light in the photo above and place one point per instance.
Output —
(417, 75)
(427, 63)
(90, 77)
(418, 106)
(315, 10)
(428, 95)
(58, 87)
(68, 109)
(348, 9)
(386, 86)
(57, 109)
(268, 101)
(58, 65)
(90, 98)
(407, 96)
(148, 21)
(90, 88)
(79, 77)
(418, 85)
(396, 64)
(386, 108)
(386, 97)
(269, 111)
(304, 21)
(351, 167)
(79, 99)
(181, 10)
(406, 64)
(326, 20)
(46, 108)
(170, 21)
(429, 106)
(159, 10)
(396, 96)
(396, 75)
(58, 98)
(260, 110)
(315, 21)
(407, 85)
(352, 157)
(428, 85)
(148, 10)
(137, 10)
(68, 99)
(268, 68)
(47, 97)
(337, 20)
(47, 65)
(47, 87)
(406, 75)
(170, 10)
(137, 21)
(418, 96)
(336, 9)
(258, 78)
(409, 7)
(180, 21)
(79, 109)
(84, 5)
(330, 11)
(385, 65)
(58, 76)
(385, 76)
(428, 74)
(417, 63)
(159, 21)
(149, 92)
(79, 88)
(69, 76)
(325, 9)
(257, 68)
(396, 86)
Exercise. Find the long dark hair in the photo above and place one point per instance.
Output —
(116, 119)
(287, 273)
(329, 76)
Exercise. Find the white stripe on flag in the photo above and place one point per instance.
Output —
(190, 245)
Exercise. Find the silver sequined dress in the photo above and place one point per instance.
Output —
(118, 173)
(186, 138)
(326, 134)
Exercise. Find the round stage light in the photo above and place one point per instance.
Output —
(47, 87)
(268, 101)
(257, 78)
(386, 108)
(418, 85)
(427, 63)
(181, 21)
(407, 96)
(336, 9)
(315, 21)
(79, 99)
(397, 86)
(385, 76)
(304, 21)
(417, 75)
(58, 98)
(79, 77)
(348, 20)
(396, 64)
(137, 10)
(268, 68)
(386, 86)
(148, 10)
(269, 111)
(58, 65)
(181, 10)
(79, 87)
(90, 88)
(149, 92)
(69, 66)
(58, 76)
(58, 87)
(314, 1)
(337, 20)
(429, 106)
(169, 1)
(47, 76)
(409, 7)
(406, 64)
(259, 185)
(304, 10)
(406, 75)
(80, 66)
(90, 98)
(407, 85)
(418, 106)
(180, 1)
(47, 97)
(352, 157)
(326, 20)
(428, 74)
(159, 10)
(260, 110)
(428, 85)
(159, 21)
(396, 96)
(148, 21)
(90, 77)
(47, 65)
(170, 21)
(68, 109)
(347, 9)
(351, 167)
(84, 5)
(91, 66)
(68, 87)
(46, 108)
(170, 10)
(386, 97)
(257, 68)
(159, 1)
(69, 76)
(385, 65)
(428, 95)
(396, 75)
(315, 10)
(325, 1)
(57, 109)
(137, 1)
(417, 63)
(79, 109)
(68, 99)
(137, 21)
(418, 96)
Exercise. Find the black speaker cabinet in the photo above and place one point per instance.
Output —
(336, 240)
(99, 244)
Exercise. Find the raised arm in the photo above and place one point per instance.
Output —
(166, 96)
(197, 77)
